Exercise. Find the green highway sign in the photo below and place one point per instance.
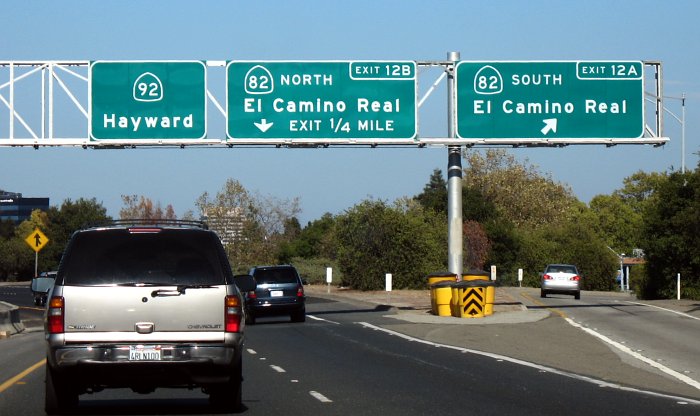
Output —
(550, 100)
(147, 100)
(321, 100)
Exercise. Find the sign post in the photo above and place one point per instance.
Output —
(321, 101)
(569, 101)
(36, 240)
(147, 101)
(329, 277)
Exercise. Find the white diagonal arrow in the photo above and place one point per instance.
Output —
(550, 124)
(263, 125)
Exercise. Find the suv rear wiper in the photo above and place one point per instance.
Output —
(181, 290)
(142, 284)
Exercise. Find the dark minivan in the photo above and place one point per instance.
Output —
(279, 291)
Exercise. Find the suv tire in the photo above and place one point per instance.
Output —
(228, 396)
(298, 316)
(60, 398)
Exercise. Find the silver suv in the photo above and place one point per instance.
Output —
(142, 305)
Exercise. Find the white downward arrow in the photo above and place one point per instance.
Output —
(263, 125)
(550, 124)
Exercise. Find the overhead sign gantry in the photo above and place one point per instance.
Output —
(322, 103)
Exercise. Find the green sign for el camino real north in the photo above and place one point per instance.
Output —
(147, 101)
(321, 100)
(550, 100)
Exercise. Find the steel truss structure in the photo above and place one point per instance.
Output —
(46, 103)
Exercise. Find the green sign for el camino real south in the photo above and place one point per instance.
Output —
(550, 100)
(321, 100)
(147, 101)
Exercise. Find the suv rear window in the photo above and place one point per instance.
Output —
(276, 275)
(116, 256)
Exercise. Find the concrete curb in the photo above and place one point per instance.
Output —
(9, 320)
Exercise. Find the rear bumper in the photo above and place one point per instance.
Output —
(264, 307)
(180, 365)
(560, 286)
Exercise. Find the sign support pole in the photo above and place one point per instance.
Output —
(36, 264)
(454, 176)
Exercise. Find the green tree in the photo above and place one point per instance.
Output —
(71, 216)
(574, 242)
(671, 236)
(140, 207)
(375, 239)
(617, 222)
(317, 239)
(24, 262)
(476, 245)
(520, 193)
(252, 226)
(434, 195)
(640, 188)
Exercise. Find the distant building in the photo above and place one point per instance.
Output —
(16, 208)
(227, 223)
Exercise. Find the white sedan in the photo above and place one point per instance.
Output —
(561, 278)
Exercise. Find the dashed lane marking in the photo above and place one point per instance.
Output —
(320, 397)
(316, 318)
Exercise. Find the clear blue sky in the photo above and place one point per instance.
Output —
(334, 179)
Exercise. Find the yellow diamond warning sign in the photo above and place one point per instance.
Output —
(37, 240)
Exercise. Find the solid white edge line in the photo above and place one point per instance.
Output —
(587, 379)
(320, 397)
(664, 309)
(673, 373)
(321, 319)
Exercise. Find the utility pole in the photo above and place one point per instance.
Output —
(454, 176)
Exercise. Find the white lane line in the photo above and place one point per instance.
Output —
(278, 368)
(252, 351)
(316, 318)
(673, 373)
(320, 397)
(664, 309)
(587, 379)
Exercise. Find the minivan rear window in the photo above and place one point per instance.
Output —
(277, 275)
(169, 257)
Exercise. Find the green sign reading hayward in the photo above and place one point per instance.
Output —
(308, 100)
(147, 100)
(550, 100)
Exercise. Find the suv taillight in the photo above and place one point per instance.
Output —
(300, 292)
(55, 315)
(233, 314)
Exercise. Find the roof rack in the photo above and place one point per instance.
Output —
(157, 222)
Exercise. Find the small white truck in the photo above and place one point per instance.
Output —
(41, 286)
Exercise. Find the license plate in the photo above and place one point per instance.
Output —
(276, 293)
(144, 353)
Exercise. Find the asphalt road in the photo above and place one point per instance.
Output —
(345, 360)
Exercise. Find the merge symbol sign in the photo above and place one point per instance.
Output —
(36, 240)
